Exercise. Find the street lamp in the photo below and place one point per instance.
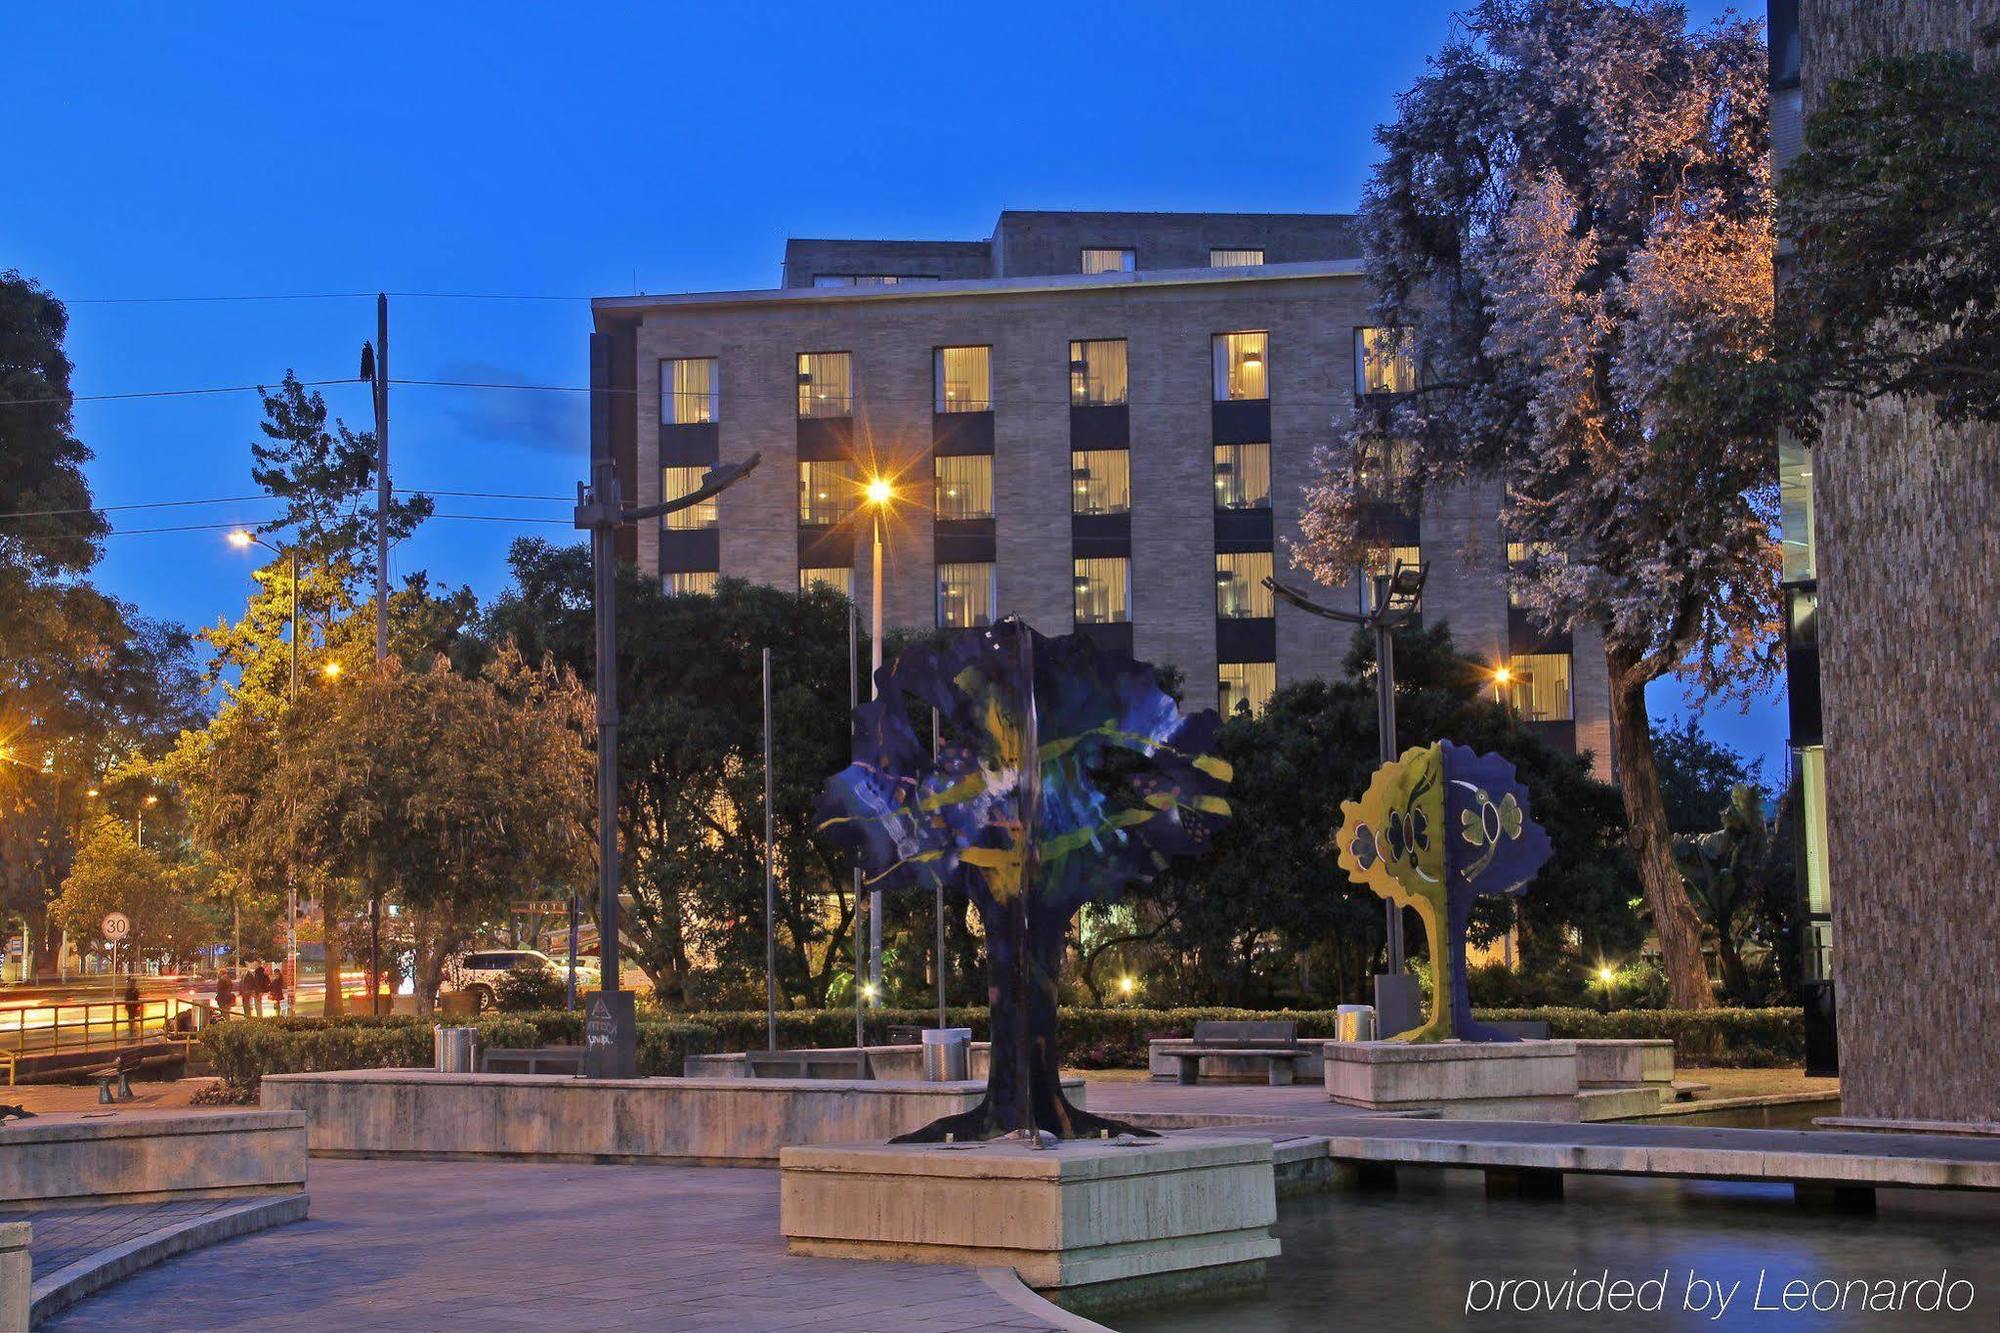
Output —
(879, 493)
(242, 539)
(1399, 600)
(331, 671)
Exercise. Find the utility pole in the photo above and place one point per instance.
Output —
(382, 490)
(854, 702)
(770, 892)
(1398, 601)
(610, 1023)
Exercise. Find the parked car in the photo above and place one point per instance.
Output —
(479, 971)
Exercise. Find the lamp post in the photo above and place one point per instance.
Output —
(242, 539)
(610, 1024)
(879, 493)
(1398, 601)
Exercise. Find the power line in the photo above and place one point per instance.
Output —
(231, 527)
(316, 296)
(150, 504)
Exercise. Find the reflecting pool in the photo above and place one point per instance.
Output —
(1415, 1258)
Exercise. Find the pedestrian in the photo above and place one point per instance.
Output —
(278, 990)
(132, 1005)
(255, 988)
(225, 995)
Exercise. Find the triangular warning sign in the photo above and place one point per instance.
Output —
(600, 1010)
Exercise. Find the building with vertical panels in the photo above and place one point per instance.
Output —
(1095, 421)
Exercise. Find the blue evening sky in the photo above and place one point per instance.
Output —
(566, 151)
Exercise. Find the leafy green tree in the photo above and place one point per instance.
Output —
(113, 873)
(1893, 211)
(1725, 871)
(1699, 776)
(691, 799)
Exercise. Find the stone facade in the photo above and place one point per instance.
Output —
(1309, 307)
(1909, 571)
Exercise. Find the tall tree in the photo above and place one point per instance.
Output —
(1699, 776)
(1570, 233)
(113, 873)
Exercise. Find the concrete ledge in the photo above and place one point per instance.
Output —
(16, 1274)
(1624, 1061)
(62, 1161)
(66, 1286)
(888, 1063)
(1185, 1212)
(1985, 1128)
(553, 1117)
(1520, 1080)
(1617, 1103)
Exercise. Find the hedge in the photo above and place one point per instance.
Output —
(244, 1050)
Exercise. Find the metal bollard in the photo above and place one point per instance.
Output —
(454, 1048)
(947, 1054)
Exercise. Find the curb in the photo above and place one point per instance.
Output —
(66, 1286)
(1007, 1285)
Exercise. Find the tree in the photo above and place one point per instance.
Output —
(1062, 773)
(1725, 872)
(112, 873)
(1893, 211)
(1570, 234)
(691, 793)
(1699, 776)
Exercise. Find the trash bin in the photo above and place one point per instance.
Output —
(947, 1054)
(455, 1048)
(1355, 1022)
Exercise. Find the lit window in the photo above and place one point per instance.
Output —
(1522, 557)
(826, 384)
(690, 391)
(1240, 363)
(1097, 373)
(839, 578)
(1240, 593)
(965, 486)
(1100, 481)
(1380, 368)
(966, 595)
(869, 279)
(964, 379)
(1235, 258)
(828, 493)
(1795, 508)
(1104, 590)
(1538, 686)
(1242, 476)
(1107, 261)
(676, 482)
(684, 582)
(1382, 470)
(1245, 685)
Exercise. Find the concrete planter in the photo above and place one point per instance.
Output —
(1523, 1080)
(133, 1159)
(888, 1063)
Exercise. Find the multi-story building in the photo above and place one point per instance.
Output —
(1092, 420)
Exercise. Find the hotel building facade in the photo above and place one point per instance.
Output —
(1098, 421)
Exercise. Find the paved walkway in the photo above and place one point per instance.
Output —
(65, 1235)
(429, 1245)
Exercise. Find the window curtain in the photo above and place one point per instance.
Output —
(966, 595)
(826, 384)
(1540, 686)
(1097, 372)
(1377, 368)
(965, 486)
(684, 582)
(1101, 481)
(676, 482)
(964, 379)
(1240, 363)
(827, 493)
(1242, 476)
(693, 391)
(1103, 590)
(1248, 684)
(1107, 261)
(1235, 258)
(838, 578)
(1240, 593)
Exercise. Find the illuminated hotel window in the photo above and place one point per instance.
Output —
(1244, 685)
(869, 279)
(965, 486)
(676, 482)
(1539, 686)
(1104, 590)
(966, 595)
(1240, 593)
(826, 384)
(1521, 557)
(1240, 364)
(1795, 508)
(1097, 373)
(838, 577)
(964, 379)
(1235, 258)
(1377, 368)
(1107, 261)
(1242, 476)
(828, 493)
(682, 582)
(690, 391)
(1382, 470)
(1100, 481)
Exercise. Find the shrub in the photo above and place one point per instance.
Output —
(529, 985)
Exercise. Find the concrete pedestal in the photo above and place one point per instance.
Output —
(16, 1280)
(63, 1161)
(1517, 1080)
(1092, 1220)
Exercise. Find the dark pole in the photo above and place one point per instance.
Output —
(604, 593)
(1031, 799)
(569, 999)
(770, 893)
(1385, 728)
(854, 702)
(382, 478)
(938, 895)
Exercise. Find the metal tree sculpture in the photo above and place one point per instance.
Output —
(1436, 829)
(1063, 773)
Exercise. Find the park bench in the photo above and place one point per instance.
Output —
(808, 1064)
(532, 1060)
(119, 1072)
(1274, 1041)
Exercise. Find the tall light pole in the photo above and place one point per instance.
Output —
(1398, 601)
(879, 493)
(243, 539)
(375, 370)
(610, 1024)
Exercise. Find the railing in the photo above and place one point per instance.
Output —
(51, 1029)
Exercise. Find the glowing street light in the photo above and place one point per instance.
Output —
(879, 493)
(331, 670)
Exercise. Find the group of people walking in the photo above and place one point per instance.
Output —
(260, 985)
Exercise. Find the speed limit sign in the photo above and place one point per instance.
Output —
(116, 926)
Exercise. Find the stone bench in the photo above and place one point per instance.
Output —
(1270, 1043)
(532, 1060)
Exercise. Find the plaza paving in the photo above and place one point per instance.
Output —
(428, 1245)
